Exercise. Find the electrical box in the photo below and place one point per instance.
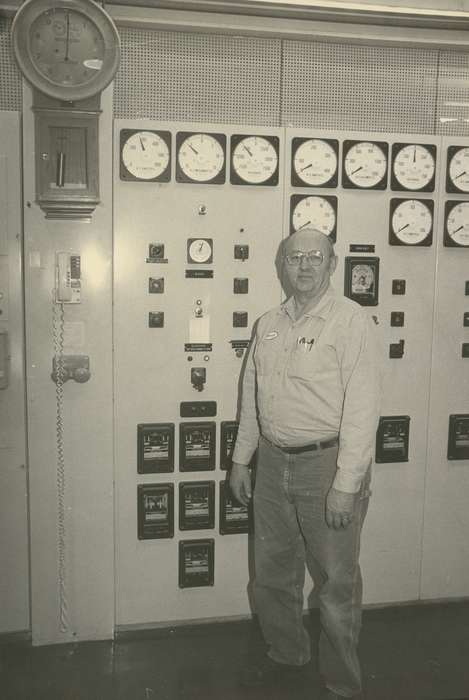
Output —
(196, 505)
(458, 436)
(196, 446)
(155, 448)
(392, 439)
(155, 511)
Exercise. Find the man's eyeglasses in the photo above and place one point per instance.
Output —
(314, 257)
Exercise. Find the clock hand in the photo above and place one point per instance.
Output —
(193, 149)
(306, 167)
(402, 228)
(247, 149)
(460, 174)
(356, 170)
(67, 40)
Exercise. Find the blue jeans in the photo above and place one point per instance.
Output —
(291, 530)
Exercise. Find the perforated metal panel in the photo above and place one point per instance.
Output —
(10, 78)
(453, 94)
(196, 77)
(336, 86)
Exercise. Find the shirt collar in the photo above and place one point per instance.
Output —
(321, 309)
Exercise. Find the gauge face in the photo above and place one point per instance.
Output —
(411, 221)
(254, 160)
(145, 155)
(314, 162)
(457, 178)
(457, 224)
(199, 250)
(413, 167)
(200, 157)
(314, 212)
(365, 164)
(363, 278)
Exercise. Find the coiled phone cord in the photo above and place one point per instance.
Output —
(58, 336)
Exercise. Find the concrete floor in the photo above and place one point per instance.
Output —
(408, 653)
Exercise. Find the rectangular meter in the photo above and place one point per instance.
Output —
(196, 505)
(392, 439)
(196, 563)
(458, 436)
(155, 448)
(155, 509)
(362, 279)
(234, 517)
(196, 446)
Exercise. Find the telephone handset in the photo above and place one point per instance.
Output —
(68, 278)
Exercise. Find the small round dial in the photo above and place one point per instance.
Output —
(411, 221)
(457, 224)
(314, 212)
(199, 250)
(315, 162)
(458, 169)
(413, 166)
(201, 157)
(362, 278)
(145, 155)
(254, 160)
(365, 164)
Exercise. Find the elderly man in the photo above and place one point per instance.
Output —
(310, 405)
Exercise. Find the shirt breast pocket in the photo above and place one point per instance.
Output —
(307, 364)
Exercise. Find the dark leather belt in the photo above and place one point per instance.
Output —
(322, 445)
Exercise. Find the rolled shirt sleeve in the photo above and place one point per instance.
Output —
(248, 430)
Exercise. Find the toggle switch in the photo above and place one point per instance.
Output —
(241, 251)
(396, 350)
(198, 377)
(397, 318)
(240, 319)
(240, 285)
(398, 286)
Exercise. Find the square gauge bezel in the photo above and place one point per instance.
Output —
(395, 184)
(362, 298)
(346, 182)
(203, 573)
(296, 180)
(389, 452)
(236, 179)
(448, 242)
(330, 198)
(182, 177)
(126, 175)
(155, 461)
(393, 239)
(203, 515)
(152, 526)
(456, 451)
(205, 461)
(450, 186)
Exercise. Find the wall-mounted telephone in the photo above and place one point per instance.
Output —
(67, 278)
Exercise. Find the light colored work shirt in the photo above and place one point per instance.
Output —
(313, 379)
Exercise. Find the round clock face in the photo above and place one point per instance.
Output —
(365, 164)
(201, 157)
(411, 221)
(314, 212)
(414, 167)
(145, 155)
(67, 49)
(458, 169)
(315, 162)
(200, 250)
(254, 160)
(457, 224)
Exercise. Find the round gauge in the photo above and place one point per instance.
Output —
(365, 164)
(413, 166)
(201, 157)
(315, 162)
(411, 221)
(199, 250)
(362, 278)
(458, 169)
(314, 212)
(68, 49)
(254, 160)
(145, 155)
(457, 224)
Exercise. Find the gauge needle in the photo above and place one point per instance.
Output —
(193, 149)
(247, 149)
(67, 44)
(200, 247)
(458, 229)
(402, 228)
(303, 225)
(461, 174)
(415, 148)
(306, 167)
(356, 170)
(141, 143)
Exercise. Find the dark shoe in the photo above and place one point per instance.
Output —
(268, 673)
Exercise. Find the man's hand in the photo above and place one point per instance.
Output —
(240, 482)
(339, 508)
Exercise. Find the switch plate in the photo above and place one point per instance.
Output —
(241, 251)
(240, 285)
(156, 319)
(155, 285)
(397, 318)
(398, 286)
(240, 319)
